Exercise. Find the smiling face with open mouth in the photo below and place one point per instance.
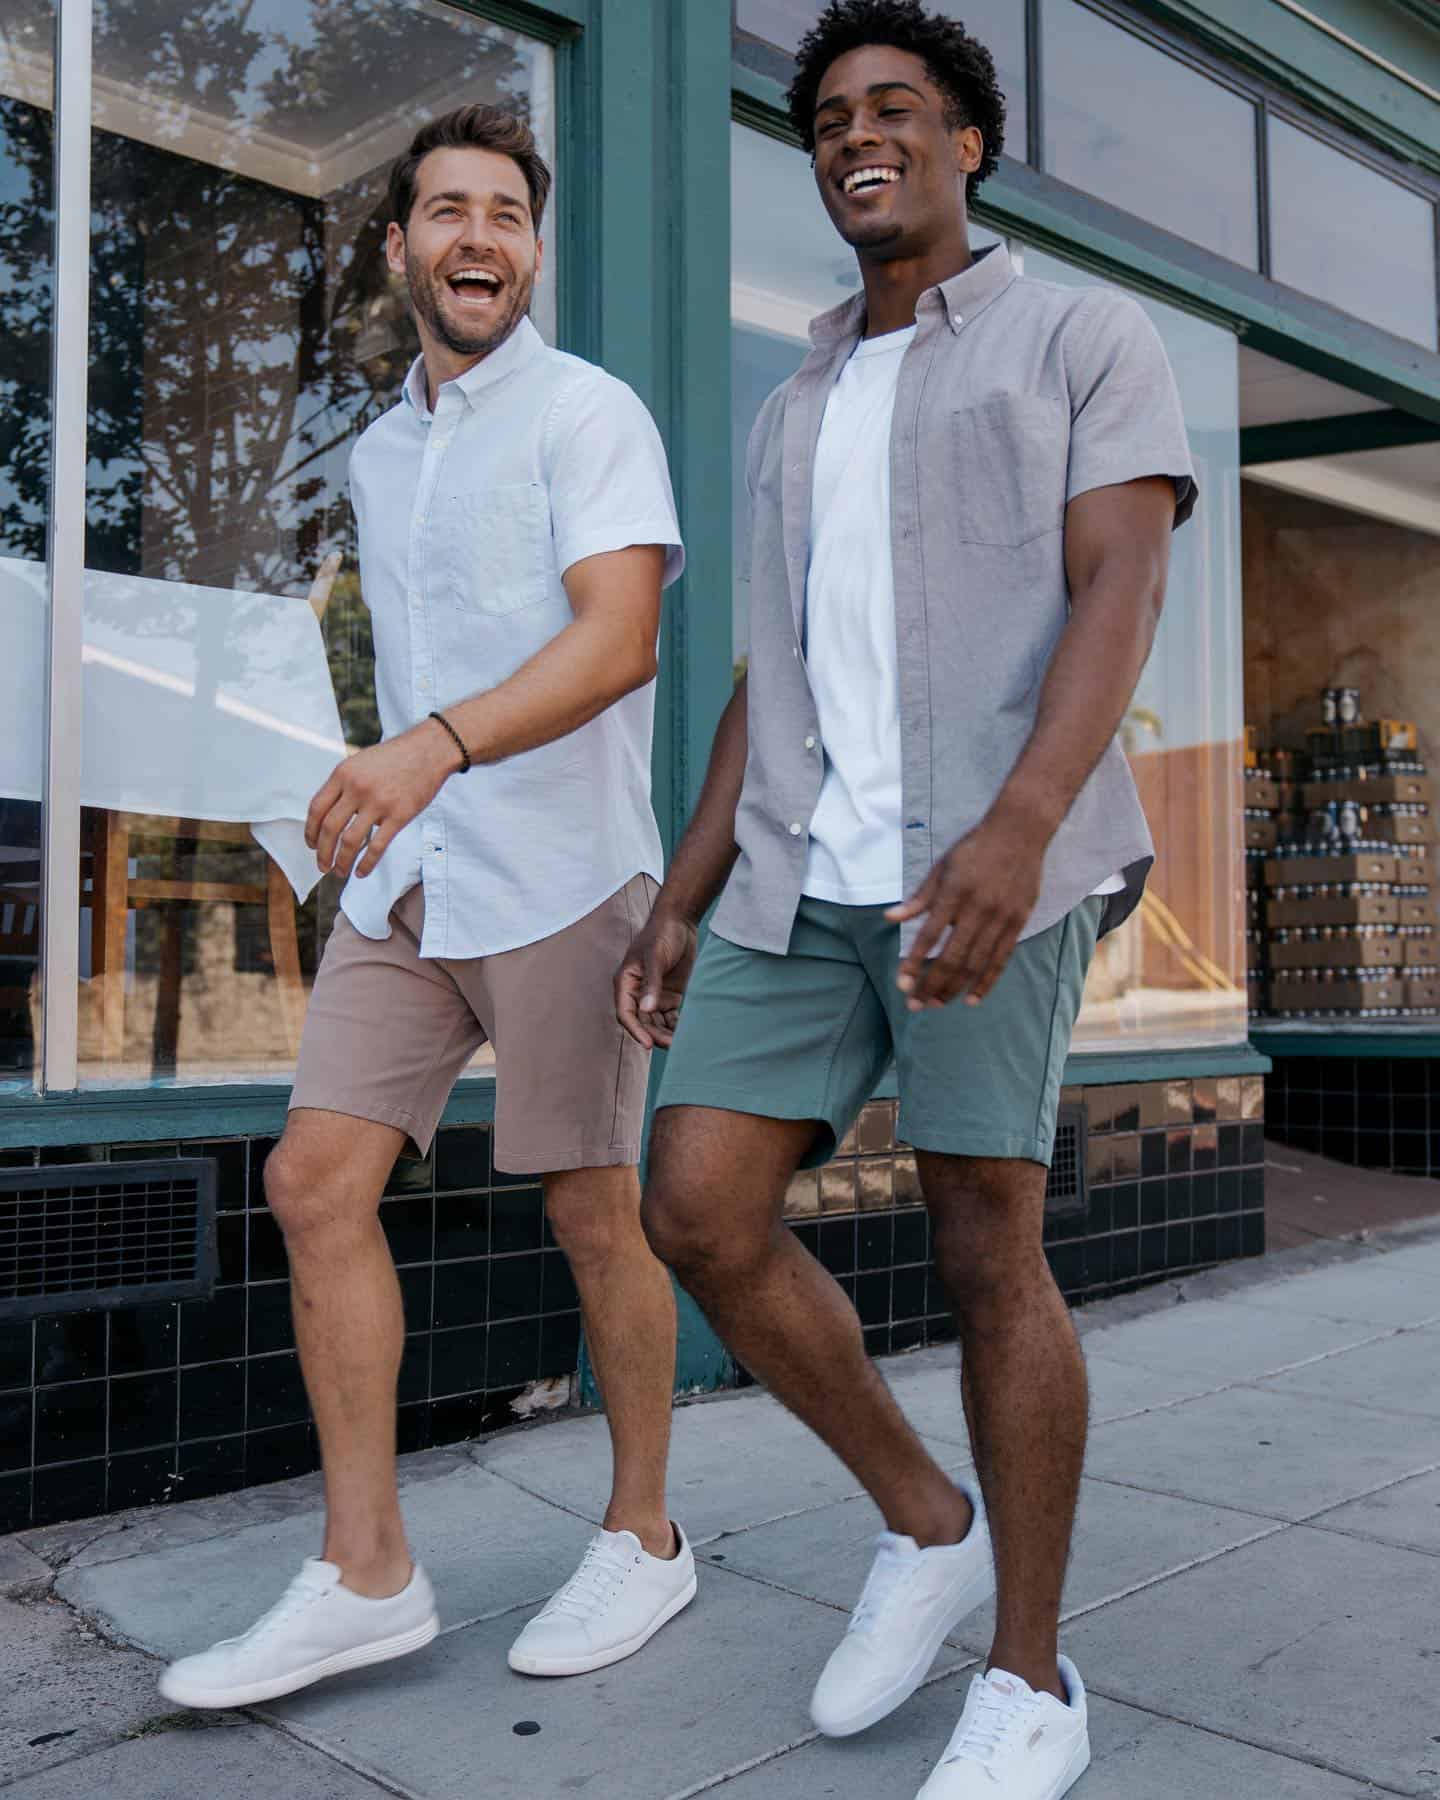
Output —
(469, 253)
(890, 162)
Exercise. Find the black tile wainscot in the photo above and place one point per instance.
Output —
(106, 1410)
(1175, 1182)
(1374, 1112)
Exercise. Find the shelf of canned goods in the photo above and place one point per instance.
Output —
(1340, 857)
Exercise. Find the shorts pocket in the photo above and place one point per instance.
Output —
(1011, 454)
(491, 549)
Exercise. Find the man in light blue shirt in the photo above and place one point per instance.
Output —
(516, 530)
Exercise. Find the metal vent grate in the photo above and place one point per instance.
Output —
(84, 1235)
(1067, 1191)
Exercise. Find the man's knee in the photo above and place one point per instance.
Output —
(592, 1214)
(675, 1226)
(989, 1252)
(309, 1191)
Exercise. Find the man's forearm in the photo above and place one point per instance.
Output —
(1087, 692)
(1117, 555)
(583, 670)
(706, 854)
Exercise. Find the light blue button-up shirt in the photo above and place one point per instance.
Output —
(468, 519)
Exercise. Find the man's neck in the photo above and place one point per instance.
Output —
(443, 364)
(892, 289)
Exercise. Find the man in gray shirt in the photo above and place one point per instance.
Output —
(962, 506)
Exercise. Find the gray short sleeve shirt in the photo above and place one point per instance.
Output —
(1015, 397)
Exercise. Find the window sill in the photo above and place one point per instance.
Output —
(146, 1115)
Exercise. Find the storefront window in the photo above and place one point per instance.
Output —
(998, 24)
(26, 283)
(1347, 234)
(244, 329)
(1174, 976)
(1133, 126)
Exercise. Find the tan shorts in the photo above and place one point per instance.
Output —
(388, 1031)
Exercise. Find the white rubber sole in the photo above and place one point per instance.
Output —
(882, 1703)
(183, 1693)
(1074, 1769)
(524, 1664)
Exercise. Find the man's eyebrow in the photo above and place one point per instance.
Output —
(878, 87)
(459, 197)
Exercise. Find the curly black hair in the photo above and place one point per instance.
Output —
(962, 68)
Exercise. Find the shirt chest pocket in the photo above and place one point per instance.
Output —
(490, 551)
(1011, 457)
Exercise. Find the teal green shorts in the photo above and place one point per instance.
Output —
(808, 1035)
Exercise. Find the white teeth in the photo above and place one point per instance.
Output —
(861, 179)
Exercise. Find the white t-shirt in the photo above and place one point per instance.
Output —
(855, 842)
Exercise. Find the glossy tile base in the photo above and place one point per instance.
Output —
(103, 1411)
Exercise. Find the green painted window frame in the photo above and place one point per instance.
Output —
(1312, 93)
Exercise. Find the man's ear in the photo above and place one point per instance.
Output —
(969, 150)
(395, 249)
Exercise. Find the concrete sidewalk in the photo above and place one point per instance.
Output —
(1254, 1598)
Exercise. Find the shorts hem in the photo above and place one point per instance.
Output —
(551, 1161)
(736, 1100)
(394, 1116)
(999, 1145)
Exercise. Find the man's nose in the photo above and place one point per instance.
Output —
(864, 132)
(476, 233)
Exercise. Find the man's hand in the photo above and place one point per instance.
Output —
(982, 891)
(376, 793)
(651, 982)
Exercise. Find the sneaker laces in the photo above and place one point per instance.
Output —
(307, 1587)
(602, 1568)
(991, 1727)
(888, 1574)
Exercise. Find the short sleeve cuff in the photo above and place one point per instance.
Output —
(1097, 472)
(577, 546)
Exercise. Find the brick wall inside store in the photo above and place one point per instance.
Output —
(101, 1411)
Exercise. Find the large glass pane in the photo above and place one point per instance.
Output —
(26, 283)
(1349, 235)
(787, 266)
(244, 330)
(778, 25)
(1133, 126)
(1174, 975)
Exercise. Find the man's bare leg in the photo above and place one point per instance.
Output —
(628, 1307)
(1025, 1392)
(324, 1180)
(713, 1210)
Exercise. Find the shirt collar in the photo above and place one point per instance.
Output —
(961, 296)
(523, 343)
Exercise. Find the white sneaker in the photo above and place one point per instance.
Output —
(911, 1602)
(610, 1607)
(1014, 1744)
(317, 1628)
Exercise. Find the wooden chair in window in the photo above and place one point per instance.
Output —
(119, 836)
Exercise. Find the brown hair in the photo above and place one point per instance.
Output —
(474, 127)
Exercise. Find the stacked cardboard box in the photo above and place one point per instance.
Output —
(1341, 913)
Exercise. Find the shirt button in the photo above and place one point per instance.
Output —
(810, 743)
(795, 651)
(796, 828)
(957, 319)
